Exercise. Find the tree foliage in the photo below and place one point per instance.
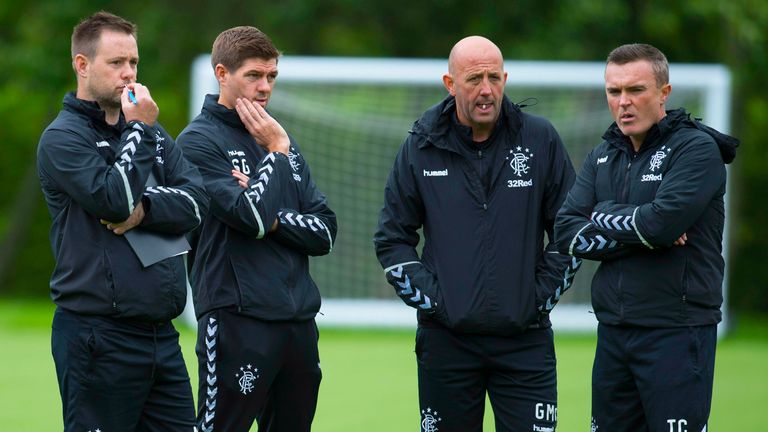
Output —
(34, 52)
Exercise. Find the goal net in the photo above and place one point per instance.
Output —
(350, 116)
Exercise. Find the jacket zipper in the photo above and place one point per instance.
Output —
(624, 198)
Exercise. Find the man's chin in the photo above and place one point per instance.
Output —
(486, 118)
(110, 104)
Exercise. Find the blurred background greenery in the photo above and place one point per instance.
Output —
(34, 50)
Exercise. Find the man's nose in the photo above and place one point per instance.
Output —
(624, 99)
(485, 87)
(128, 72)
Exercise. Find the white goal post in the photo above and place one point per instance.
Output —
(350, 116)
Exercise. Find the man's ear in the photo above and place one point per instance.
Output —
(448, 83)
(221, 73)
(80, 65)
(666, 89)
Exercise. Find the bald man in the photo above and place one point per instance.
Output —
(484, 180)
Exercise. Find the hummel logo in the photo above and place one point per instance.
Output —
(102, 144)
(603, 159)
(440, 173)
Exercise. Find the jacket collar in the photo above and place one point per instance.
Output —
(91, 110)
(219, 111)
(675, 120)
(672, 122)
(435, 124)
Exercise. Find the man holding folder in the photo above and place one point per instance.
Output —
(117, 354)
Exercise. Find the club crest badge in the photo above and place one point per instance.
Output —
(429, 420)
(519, 160)
(658, 158)
(247, 375)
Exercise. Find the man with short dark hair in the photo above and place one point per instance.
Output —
(254, 297)
(485, 181)
(108, 171)
(648, 204)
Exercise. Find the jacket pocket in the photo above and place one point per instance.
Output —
(265, 292)
(418, 288)
(154, 293)
(426, 282)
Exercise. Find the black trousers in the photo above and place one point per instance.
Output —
(120, 377)
(653, 379)
(256, 370)
(456, 370)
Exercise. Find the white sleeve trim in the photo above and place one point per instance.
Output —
(330, 239)
(634, 225)
(392, 267)
(127, 186)
(194, 204)
(171, 190)
(257, 216)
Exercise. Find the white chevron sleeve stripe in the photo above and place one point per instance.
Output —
(573, 242)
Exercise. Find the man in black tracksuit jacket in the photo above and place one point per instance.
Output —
(117, 355)
(648, 204)
(254, 297)
(485, 181)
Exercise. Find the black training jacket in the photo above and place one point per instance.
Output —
(239, 263)
(484, 268)
(89, 171)
(626, 210)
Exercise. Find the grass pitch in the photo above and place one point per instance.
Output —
(369, 377)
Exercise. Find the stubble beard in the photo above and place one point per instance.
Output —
(109, 102)
(107, 99)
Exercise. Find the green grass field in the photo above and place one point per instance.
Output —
(369, 377)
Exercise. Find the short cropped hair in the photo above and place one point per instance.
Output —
(634, 52)
(234, 46)
(86, 34)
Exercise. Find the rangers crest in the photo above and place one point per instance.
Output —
(246, 377)
(429, 420)
(519, 160)
(658, 158)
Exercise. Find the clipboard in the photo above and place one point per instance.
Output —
(152, 247)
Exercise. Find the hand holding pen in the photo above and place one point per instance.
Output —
(137, 104)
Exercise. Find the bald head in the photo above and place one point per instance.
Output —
(476, 80)
(473, 49)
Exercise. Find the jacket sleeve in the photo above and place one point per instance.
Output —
(108, 192)
(396, 238)
(310, 229)
(252, 210)
(686, 189)
(179, 205)
(575, 234)
(555, 271)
